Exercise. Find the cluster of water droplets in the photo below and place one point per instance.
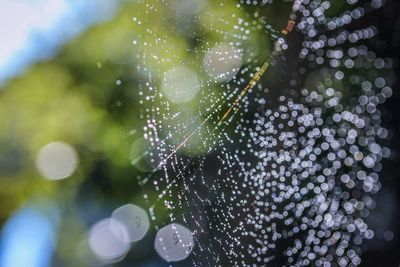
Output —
(316, 164)
(287, 177)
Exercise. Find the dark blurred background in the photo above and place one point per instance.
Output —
(383, 249)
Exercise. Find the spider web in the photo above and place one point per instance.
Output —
(285, 179)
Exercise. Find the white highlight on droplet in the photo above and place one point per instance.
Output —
(222, 62)
(174, 242)
(106, 240)
(180, 84)
(135, 219)
(57, 160)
